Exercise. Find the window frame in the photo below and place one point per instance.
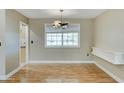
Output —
(69, 46)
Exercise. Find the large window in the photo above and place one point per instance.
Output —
(62, 37)
(54, 39)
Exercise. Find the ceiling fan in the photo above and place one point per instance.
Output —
(60, 24)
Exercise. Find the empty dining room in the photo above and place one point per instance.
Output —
(61, 45)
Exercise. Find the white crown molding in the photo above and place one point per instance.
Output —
(55, 13)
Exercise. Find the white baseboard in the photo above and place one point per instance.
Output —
(14, 71)
(68, 62)
(5, 77)
(110, 73)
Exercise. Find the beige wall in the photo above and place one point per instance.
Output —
(110, 30)
(12, 39)
(2, 40)
(39, 53)
(109, 34)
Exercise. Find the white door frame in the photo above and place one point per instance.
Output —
(27, 42)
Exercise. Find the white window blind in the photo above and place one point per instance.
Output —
(69, 37)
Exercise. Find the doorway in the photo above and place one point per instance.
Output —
(23, 43)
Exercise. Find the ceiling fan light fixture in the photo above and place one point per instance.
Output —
(60, 24)
(57, 24)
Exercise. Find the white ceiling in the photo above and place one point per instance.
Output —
(55, 13)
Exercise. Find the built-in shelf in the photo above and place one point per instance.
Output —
(110, 56)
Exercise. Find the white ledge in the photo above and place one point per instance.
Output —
(110, 56)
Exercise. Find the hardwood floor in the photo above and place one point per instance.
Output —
(60, 73)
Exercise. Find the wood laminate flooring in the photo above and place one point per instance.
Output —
(60, 73)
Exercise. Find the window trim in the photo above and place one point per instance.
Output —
(45, 40)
